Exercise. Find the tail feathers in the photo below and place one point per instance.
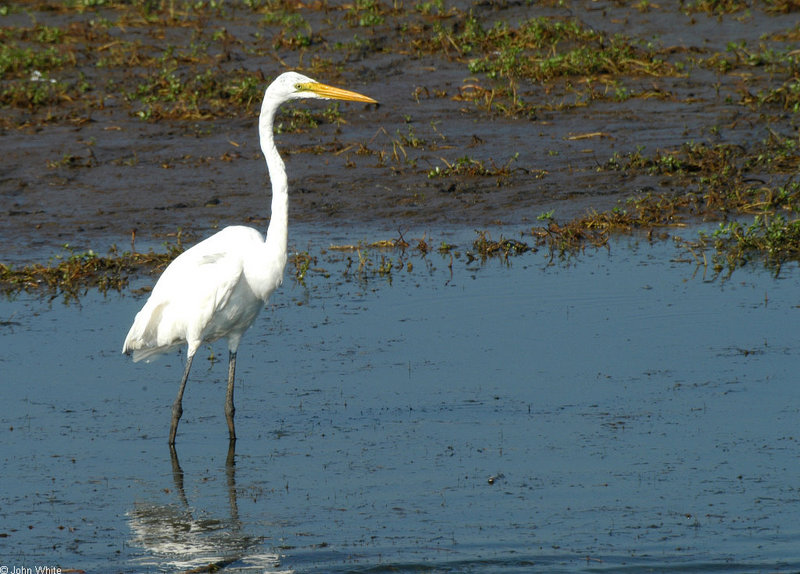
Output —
(147, 354)
(143, 339)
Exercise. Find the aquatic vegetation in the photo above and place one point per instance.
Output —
(719, 7)
(302, 263)
(771, 238)
(503, 100)
(365, 13)
(484, 247)
(172, 94)
(721, 186)
(16, 60)
(786, 96)
(198, 80)
(73, 274)
(720, 177)
(717, 181)
(543, 48)
(473, 168)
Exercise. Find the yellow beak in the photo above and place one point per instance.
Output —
(334, 93)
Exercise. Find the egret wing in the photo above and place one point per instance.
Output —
(187, 295)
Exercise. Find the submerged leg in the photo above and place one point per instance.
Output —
(177, 406)
(229, 408)
(230, 472)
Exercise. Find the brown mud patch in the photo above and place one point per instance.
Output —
(141, 117)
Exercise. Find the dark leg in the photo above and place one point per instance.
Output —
(229, 408)
(230, 471)
(177, 407)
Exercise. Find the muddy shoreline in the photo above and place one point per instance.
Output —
(448, 146)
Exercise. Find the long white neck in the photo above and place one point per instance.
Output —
(278, 231)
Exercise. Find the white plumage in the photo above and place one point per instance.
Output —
(223, 300)
(217, 288)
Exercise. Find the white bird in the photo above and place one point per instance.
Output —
(217, 288)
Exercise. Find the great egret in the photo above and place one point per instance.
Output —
(217, 288)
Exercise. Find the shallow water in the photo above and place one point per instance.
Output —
(617, 414)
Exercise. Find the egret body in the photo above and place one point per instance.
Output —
(217, 288)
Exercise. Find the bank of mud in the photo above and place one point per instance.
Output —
(139, 120)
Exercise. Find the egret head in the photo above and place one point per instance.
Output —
(292, 86)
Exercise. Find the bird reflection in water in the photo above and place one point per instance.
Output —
(178, 536)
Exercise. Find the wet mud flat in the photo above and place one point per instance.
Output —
(142, 117)
(619, 414)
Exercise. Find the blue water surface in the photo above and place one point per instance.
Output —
(621, 413)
